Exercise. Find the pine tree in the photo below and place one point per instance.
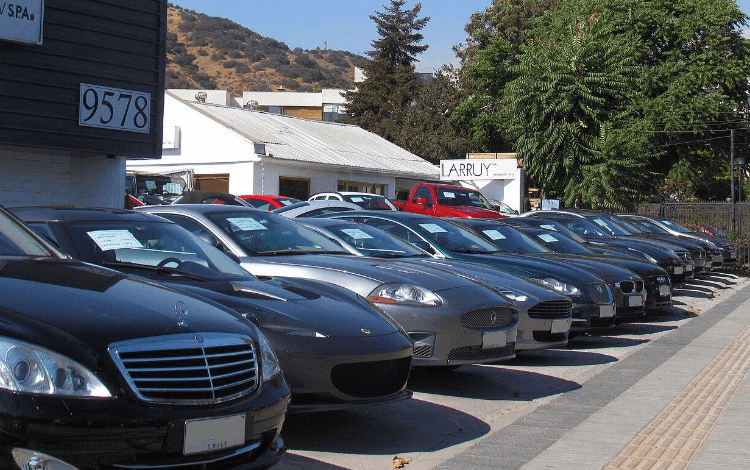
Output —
(390, 87)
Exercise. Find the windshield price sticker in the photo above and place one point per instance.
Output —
(547, 238)
(494, 234)
(357, 199)
(449, 195)
(114, 108)
(548, 227)
(433, 228)
(356, 233)
(114, 239)
(247, 224)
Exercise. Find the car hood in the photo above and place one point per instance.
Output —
(359, 274)
(529, 266)
(609, 271)
(80, 309)
(471, 212)
(298, 305)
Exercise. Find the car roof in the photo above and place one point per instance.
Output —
(198, 208)
(68, 213)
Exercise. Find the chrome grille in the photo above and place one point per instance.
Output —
(699, 254)
(552, 309)
(495, 317)
(600, 293)
(189, 369)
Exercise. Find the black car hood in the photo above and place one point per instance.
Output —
(610, 269)
(79, 309)
(529, 266)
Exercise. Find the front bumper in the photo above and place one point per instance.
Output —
(544, 325)
(93, 434)
(591, 317)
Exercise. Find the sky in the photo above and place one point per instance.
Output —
(345, 24)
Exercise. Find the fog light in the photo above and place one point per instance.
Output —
(31, 460)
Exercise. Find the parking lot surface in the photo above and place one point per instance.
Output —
(665, 392)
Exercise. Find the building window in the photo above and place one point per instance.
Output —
(298, 188)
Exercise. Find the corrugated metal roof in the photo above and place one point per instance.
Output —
(294, 139)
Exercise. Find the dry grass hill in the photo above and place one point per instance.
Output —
(216, 53)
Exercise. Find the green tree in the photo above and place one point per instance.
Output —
(390, 87)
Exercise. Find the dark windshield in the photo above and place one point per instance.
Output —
(609, 224)
(674, 226)
(648, 226)
(454, 238)
(586, 229)
(370, 241)
(264, 233)
(462, 197)
(369, 201)
(153, 244)
(15, 241)
(559, 243)
(508, 238)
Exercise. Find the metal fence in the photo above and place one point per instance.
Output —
(713, 214)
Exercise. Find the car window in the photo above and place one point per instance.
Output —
(424, 192)
(398, 230)
(191, 225)
(15, 241)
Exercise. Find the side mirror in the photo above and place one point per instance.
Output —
(422, 201)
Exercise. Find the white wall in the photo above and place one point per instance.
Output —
(42, 178)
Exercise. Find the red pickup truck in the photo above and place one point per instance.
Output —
(443, 200)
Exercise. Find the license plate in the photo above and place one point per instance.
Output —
(689, 268)
(635, 301)
(664, 291)
(606, 311)
(678, 269)
(560, 325)
(494, 339)
(206, 435)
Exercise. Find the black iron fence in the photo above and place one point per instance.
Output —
(735, 221)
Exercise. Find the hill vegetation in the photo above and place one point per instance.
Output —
(216, 53)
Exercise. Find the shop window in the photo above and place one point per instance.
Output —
(298, 188)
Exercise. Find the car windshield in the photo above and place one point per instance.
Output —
(462, 197)
(586, 229)
(673, 226)
(370, 241)
(609, 224)
(16, 241)
(627, 225)
(264, 233)
(370, 201)
(560, 228)
(560, 243)
(154, 184)
(508, 238)
(454, 238)
(648, 226)
(151, 244)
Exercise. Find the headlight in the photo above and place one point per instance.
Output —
(408, 294)
(26, 458)
(28, 368)
(269, 362)
(561, 287)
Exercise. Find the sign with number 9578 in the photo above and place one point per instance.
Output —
(113, 108)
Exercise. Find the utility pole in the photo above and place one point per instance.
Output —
(731, 173)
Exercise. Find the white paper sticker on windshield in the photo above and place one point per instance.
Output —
(547, 237)
(494, 234)
(548, 227)
(450, 195)
(357, 199)
(600, 222)
(433, 228)
(114, 239)
(246, 224)
(356, 233)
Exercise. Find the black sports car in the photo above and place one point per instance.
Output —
(336, 349)
(99, 369)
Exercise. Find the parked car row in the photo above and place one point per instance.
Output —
(180, 335)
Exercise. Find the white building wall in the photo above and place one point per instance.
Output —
(41, 178)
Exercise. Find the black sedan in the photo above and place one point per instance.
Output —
(102, 370)
(336, 349)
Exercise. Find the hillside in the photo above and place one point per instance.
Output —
(216, 53)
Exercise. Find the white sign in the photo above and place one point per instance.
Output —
(494, 234)
(22, 21)
(433, 228)
(356, 233)
(479, 169)
(246, 224)
(114, 239)
(547, 237)
(113, 108)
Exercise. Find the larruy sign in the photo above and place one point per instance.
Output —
(22, 21)
(479, 169)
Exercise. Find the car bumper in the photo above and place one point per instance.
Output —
(460, 331)
(118, 433)
(544, 326)
(340, 373)
(590, 317)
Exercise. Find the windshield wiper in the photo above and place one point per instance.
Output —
(157, 269)
(473, 251)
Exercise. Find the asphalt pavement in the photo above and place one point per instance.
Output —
(667, 393)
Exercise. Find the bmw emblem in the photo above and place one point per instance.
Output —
(180, 311)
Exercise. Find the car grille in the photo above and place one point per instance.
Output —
(600, 293)
(422, 351)
(630, 287)
(371, 379)
(552, 309)
(699, 254)
(468, 353)
(495, 317)
(189, 369)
